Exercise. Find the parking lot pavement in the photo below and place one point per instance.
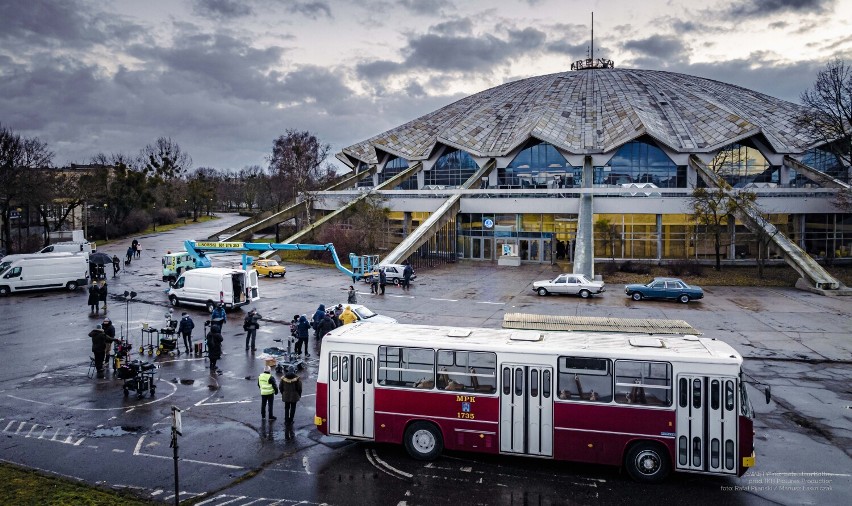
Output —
(56, 418)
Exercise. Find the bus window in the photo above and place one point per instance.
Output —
(585, 379)
(467, 371)
(507, 381)
(715, 396)
(534, 383)
(639, 382)
(358, 369)
(406, 367)
(368, 371)
(729, 395)
(545, 384)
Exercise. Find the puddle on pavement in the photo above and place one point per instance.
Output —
(116, 431)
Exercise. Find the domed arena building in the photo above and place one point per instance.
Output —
(601, 162)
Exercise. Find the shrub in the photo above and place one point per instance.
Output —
(609, 268)
(632, 267)
(345, 241)
(137, 221)
(165, 216)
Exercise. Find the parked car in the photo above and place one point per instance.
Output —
(364, 314)
(393, 273)
(572, 284)
(269, 268)
(665, 288)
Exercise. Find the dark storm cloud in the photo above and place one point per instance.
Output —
(470, 54)
(455, 27)
(51, 23)
(658, 47)
(221, 9)
(761, 8)
(377, 69)
(313, 10)
(219, 61)
(426, 6)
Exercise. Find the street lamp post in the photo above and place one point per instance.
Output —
(106, 222)
(154, 208)
(185, 210)
(20, 244)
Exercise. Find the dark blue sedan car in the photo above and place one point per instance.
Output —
(665, 288)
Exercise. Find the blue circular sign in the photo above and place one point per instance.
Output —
(488, 223)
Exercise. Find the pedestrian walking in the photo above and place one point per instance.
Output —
(319, 315)
(138, 250)
(115, 265)
(94, 297)
(99, 343)
(218, 316)
(374, 284)
(250, 325)
(383, 280)
(185, 327)
(348, 316)
(214, 347)
(102, 294)
(302, 335)
(325, 326)
(291, 392)
(352, 295)
(129, 256)
(268, 391)
(407, 272)
(109, 330)
(294, 326)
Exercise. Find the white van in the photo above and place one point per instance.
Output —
(67, 247)
(40, 271)
(209, 286)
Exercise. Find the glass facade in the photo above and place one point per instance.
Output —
(641, 162)
(367, 181)
(451, 170)
(393, 168)
(539, 165)
(741, 165)
(825, 161)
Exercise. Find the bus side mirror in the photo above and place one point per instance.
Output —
(768, 393)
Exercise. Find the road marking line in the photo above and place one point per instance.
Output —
(42, 432)
(156, 492)
(10, 424)
(447, 300)
(32, 429)
(383, 466)
(116, 450)
(137, 452)
(81, 440)
(496, 303)
(226, 402)
(210, 500)
(401, 296)
(21, 426)
(55, 434)
(239, 498)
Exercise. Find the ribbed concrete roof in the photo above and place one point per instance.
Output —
(593, 111)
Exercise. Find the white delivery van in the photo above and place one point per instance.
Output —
(77, 244)
(209, 286)
(41, 271)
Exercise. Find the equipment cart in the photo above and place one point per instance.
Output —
(283, 359)
(139, 377)
(149, 342)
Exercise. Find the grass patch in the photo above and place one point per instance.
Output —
(27, 487)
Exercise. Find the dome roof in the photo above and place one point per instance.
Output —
(594, 111)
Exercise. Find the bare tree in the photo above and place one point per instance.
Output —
(369, 218)
(297, 167)
(609, 236)
(252, 181)
(827, 119)
(162, 162)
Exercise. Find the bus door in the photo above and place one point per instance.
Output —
(707, 424)
(526, 409)
(350, 395)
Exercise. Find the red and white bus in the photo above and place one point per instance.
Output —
(649, 403)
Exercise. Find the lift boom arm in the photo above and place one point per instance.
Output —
(198, 248)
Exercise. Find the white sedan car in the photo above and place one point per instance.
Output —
(365, 315)
(572, 284)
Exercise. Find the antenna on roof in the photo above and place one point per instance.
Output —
(590, 62)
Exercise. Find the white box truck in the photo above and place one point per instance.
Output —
(43, 271)
(77, 244)
(211, 285)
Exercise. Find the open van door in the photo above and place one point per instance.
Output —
(253, 285)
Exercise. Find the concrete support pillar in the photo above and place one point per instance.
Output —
(783, 176)
(732, 232)
(584, 247)
(406, 223)
(659, 237)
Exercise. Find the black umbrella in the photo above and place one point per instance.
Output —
(100, 259)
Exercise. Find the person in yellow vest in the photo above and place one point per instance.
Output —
(268, 391)
(348, 316)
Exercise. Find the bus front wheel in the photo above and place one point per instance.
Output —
(423, 441)
(647, 462)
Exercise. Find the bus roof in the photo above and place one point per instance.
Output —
(596, 344)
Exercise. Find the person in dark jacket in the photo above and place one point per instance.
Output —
(102, 294)
(302, 336)
(109, 330)
(185, 327)
(99, 343)
(291, 393)
(214, 347)
(407, 272)
(383, 280)
(325, 326)
(251, 324)
(129, 256)
(115, 265)
(94, 292)
(318, 316)
(353, 295)
(219, 315)
(268, 391)
(294, 326)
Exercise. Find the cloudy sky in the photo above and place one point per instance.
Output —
(223, 78)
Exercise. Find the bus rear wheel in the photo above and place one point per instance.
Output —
(647, 463)
(423, 441)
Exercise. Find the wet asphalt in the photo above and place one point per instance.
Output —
(55, 418)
